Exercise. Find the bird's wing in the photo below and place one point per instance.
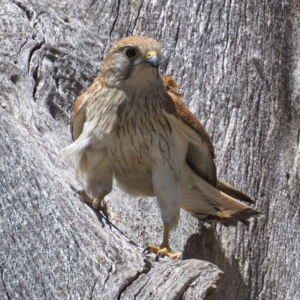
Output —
(78, 116)
(90, 123)
(200, 154)
(79, 109)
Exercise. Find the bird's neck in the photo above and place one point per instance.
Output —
(143, 99)
(146, 81)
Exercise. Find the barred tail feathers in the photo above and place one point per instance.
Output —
(207, 203)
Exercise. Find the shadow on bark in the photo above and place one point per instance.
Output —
(205, 246)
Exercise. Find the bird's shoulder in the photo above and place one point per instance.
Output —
(78, 115)
(80, 105)
(174, 106)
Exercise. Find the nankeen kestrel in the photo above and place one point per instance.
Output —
(131, 125)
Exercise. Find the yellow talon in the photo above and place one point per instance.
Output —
(162, 252)
(164, 249)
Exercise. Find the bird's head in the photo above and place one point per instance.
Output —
(132, 61)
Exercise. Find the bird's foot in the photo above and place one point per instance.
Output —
(96, 203)
(161, 251)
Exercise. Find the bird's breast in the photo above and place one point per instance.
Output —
(133, 149)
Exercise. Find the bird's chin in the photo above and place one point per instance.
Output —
(144, 73)
(145, 67)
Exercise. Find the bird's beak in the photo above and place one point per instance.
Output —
(152, 59)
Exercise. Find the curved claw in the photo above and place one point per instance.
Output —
(83, 195)
(96, 203)
(99, 207)
(157, 256)
(78, 193)
(146, 250)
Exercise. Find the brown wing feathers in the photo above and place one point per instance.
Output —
(183, 113)
(186, 116)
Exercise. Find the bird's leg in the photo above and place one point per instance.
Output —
(164, 249)
(165, 242)
(96, 203)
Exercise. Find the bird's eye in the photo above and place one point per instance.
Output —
(131, 53)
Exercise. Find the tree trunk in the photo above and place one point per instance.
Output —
(237, 64)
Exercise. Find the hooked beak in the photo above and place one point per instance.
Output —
(152, 59)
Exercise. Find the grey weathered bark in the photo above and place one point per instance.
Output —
(237, 63)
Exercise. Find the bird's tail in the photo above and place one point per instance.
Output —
(208, 203)
(231, 191)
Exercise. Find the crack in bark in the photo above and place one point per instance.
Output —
(22, 46)
(227, 37)
(29, 14)
(33, 50)
(115, 20)
(138, 292)
(93, 288)
(177, 35)
(107, 277)
(213, 289)
(131, 279)
(137, 17)
(186, 286)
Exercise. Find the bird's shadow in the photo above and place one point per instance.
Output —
(101, 217)
(104, 220)
(205, 245)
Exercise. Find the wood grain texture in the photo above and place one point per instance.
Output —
(237, 65)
